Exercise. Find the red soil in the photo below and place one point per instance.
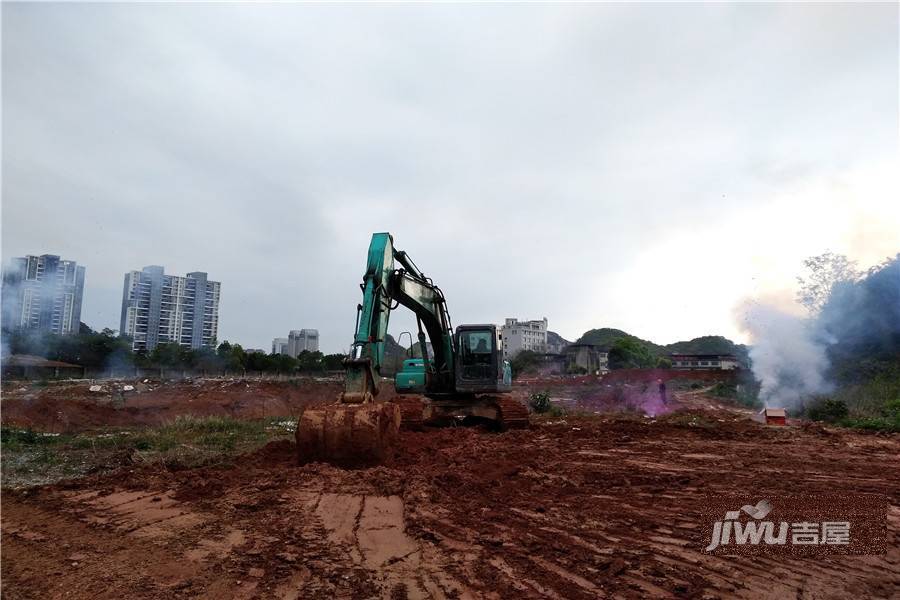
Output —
(574, 508)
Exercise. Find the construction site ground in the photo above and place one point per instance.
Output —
(605, 501)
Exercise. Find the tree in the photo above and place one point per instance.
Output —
(257, 361)
(206, 359)
(283, 363)
(89, 349)
(333, 362)
(310, 361)
(523, 361)
(172, 354)
(232, 357)
(630, 353)
(860, 321)
(824, 273)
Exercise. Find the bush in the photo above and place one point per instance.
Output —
(874, 424)
(892, 409)
(524, 361)
(556, 411)
(540, 402)
(829, 410)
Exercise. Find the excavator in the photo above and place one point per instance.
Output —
(463, 375)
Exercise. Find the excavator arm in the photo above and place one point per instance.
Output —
(391, 280)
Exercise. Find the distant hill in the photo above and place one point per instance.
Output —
(607, 336)
(707, 344)
(395, 354)
(710, 344)
(556, 340)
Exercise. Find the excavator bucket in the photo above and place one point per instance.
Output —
(355, 432)
(349, 434)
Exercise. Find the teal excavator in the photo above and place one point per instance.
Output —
(461, 373)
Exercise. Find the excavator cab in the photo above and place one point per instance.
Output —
(480, 367)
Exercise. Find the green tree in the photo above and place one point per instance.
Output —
(232, 357)
(206, 359)
(89, 349)
(630, 353)
(523, 361)
(333, 362)
(283, 363)
(172, 354)
(257, 361)
(310, 361)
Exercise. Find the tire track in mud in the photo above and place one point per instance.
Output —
(659, 560)
(371, 531)
(586, 508)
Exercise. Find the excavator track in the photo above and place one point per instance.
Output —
(412, 409)
(506, 412)
(513, 414)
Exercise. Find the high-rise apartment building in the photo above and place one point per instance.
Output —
(43, 293)
(159, 308)
(280, 346)
(523, 335)
(305, 339)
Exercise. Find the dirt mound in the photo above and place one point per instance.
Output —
(571, 508)
(73, 407)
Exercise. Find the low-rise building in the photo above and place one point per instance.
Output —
(523, 335)
(587, 358)
(719, 362)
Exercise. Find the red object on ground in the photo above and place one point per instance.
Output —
(775, 416)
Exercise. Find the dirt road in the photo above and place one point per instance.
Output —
(573, 508)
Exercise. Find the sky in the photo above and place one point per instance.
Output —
(647, 167)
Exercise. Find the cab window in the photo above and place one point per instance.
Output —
(477, 347)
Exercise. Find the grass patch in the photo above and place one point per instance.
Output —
(32, 457)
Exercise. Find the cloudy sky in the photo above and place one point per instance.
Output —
(646, 167)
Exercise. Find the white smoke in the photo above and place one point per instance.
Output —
(788, 354)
